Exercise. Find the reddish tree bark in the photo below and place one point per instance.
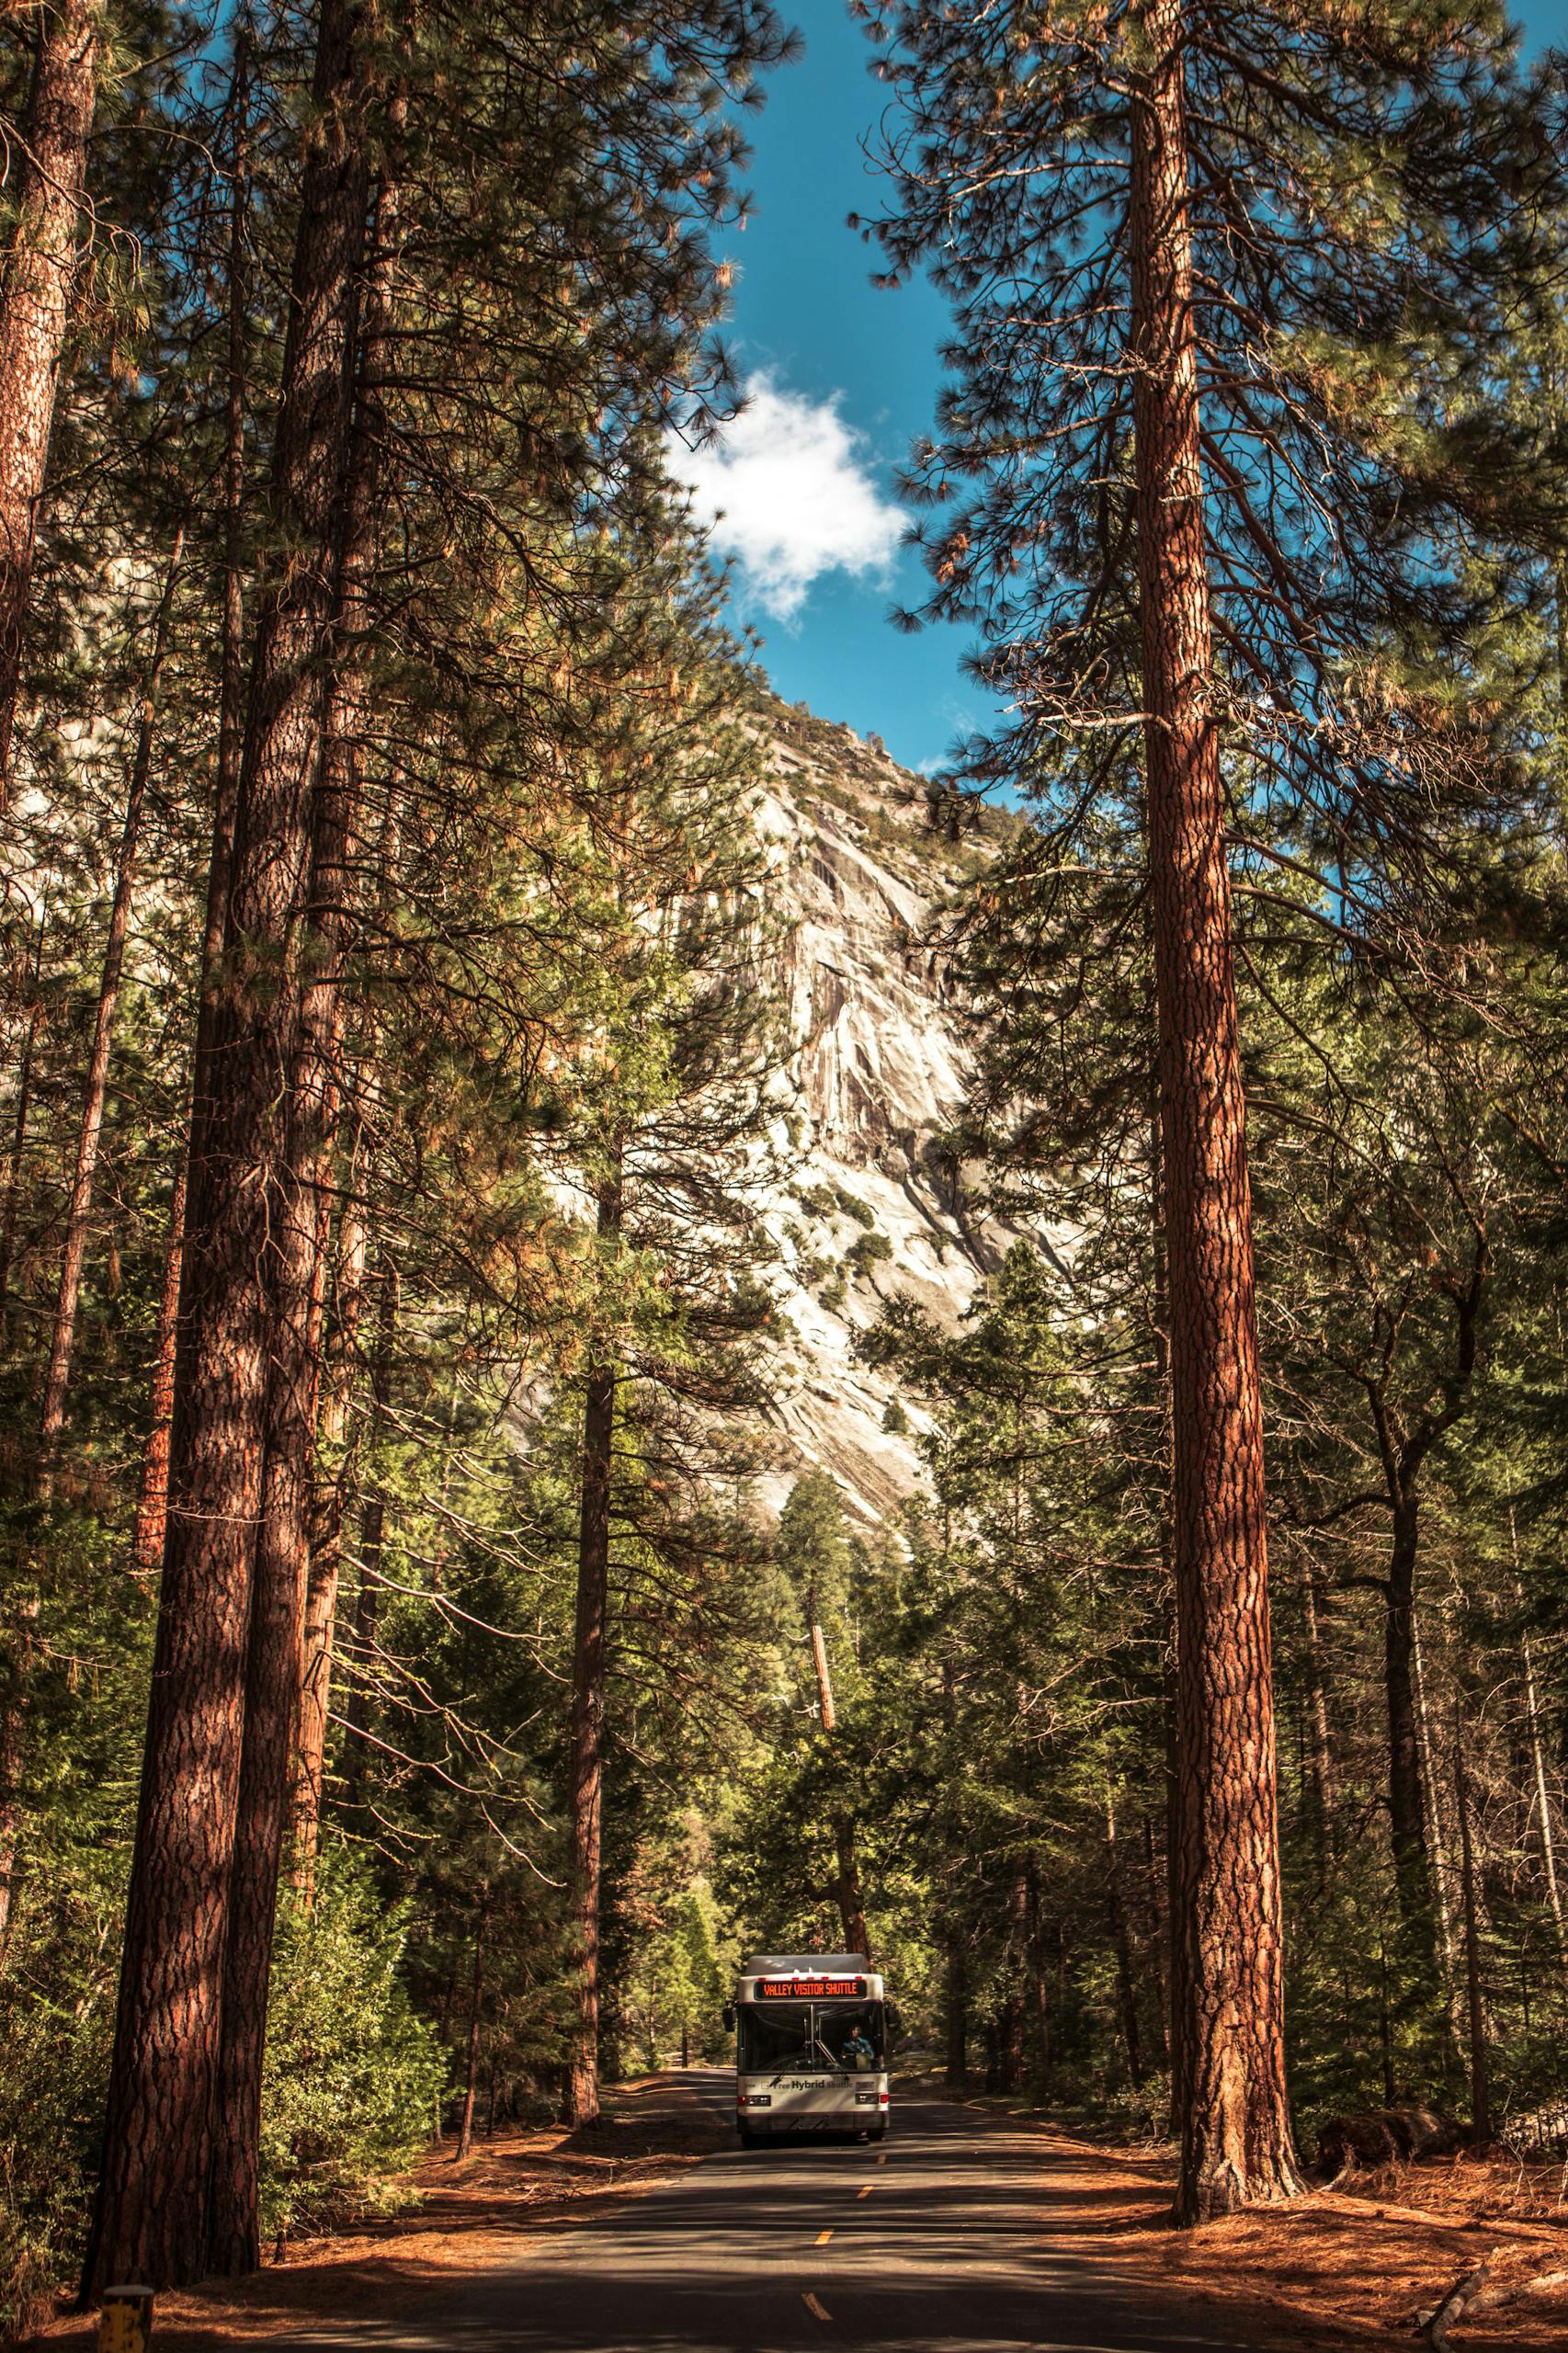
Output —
(1236, 2139)
(40, 274)
(372, 1537)
(475, 2009)
(326, 1560)
(1121, 1941)
(153, 1492)
(1475, 2003)
(1403, 1450)
(585, 1782)
(153, 2216)
(847, 1890)
(273, 1677)
(62, 1334)
(340, 777)
(19, 1132)
(274, 1672)
(151, 1505)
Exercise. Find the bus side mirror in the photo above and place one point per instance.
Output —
(728, 2015)
(890, 2012)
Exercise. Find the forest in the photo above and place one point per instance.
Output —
(427, 1661)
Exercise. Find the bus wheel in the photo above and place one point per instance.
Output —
(749, 2138)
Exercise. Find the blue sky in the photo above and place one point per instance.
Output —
(843, 377)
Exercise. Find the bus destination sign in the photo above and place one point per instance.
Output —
(811, 1989)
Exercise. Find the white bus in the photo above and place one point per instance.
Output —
(811, 2047)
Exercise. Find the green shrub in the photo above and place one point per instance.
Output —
(56, 2021)
(352, 2076)
(50, 2086)
(867, 1252)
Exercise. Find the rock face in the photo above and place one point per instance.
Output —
(871, 1208)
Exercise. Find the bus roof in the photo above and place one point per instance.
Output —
(837, 1975)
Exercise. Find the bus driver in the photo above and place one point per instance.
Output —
(859, 2049)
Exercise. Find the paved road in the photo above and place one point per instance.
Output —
(932, 2244)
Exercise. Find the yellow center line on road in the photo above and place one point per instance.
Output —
(867, 2192)
(818, 2311)
(823, 2237)
(883, 2158)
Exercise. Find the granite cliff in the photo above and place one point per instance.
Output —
(873, 1205)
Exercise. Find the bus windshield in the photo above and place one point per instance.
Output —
(809, 2038)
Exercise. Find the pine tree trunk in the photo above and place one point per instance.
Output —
(1321, 1748)
(1543, 1800)
(847, 1889)
(63, 1335)
(1236, 2139)
(153, 2217)
(276, 1671)
(1037, 1971)
(825, 1710)
(57, 1376)
(19, 1135)
(1538, 1755)
(1010, 2028)
(151, 1508)
(153, 1494)
(273, 1680)
(1480, 2097)
(1407, 1813)
(20, 1614)
(372, 1536)
(585, 1788)
(16, 1666)
(475, 2005)
(1126, 1979)
(40, 270)
(326, 1561)
(956, 2010)
(341, 750)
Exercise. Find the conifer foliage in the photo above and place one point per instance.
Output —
(1206, 474)
(409, 1700)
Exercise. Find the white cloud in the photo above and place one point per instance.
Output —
(789, 495)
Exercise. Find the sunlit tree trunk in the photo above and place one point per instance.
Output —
(152, 1505)
(276, 1668)
(585, 1786)
(326, 1556)
(152, 2221)
(1320, 1746)
(1121, 1941)
(476, 2011)
(50, 163)
(1236, 2139)
(1480, 2094)
(90, 1133)
(13, 1178)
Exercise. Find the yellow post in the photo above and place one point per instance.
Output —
(125, 2321)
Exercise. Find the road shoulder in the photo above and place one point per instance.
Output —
(486, 2215)
(1334, 2267)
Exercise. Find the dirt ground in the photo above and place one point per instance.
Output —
(1352, 2263)
(466, 2218)
(1344, 2265)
